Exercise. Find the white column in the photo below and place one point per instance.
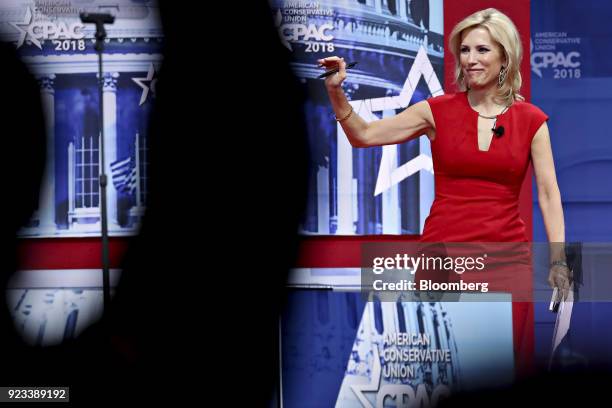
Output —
(46, 203)
(389, 312)
(71, 181)
(391, 219)
(436, 19)
(402, 9)
(345, 191)
(323, 200)
(378, 6)
(110, 143)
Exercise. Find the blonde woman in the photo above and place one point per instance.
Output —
(482, 141)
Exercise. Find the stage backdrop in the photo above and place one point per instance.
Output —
(571, 72)
(59, 50)
(339, 350)
(399, 49)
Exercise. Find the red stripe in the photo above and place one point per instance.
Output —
(68, 253)
(340, 251)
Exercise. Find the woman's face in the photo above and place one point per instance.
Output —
(481, 58)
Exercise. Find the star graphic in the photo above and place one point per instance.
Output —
(24, 31)
(374, 385)
(146, 84)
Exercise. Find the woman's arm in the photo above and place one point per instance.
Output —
(550, 205)
(411, 122)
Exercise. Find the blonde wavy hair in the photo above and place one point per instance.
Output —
(504, 33)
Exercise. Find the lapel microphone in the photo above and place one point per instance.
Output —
(498, 131)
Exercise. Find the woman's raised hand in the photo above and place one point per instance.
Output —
(334, 80)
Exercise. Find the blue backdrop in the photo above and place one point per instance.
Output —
(572, 82)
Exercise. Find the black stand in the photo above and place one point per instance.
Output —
(99, 20)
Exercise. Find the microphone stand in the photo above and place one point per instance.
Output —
(99, 20)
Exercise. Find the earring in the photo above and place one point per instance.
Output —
(502, 76)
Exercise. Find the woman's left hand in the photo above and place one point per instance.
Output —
(560, 276)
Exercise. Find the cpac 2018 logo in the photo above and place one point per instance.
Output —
(297, 32)
(565, 65)
(399, 394)
(64, 36)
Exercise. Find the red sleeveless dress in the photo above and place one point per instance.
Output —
(477, 192)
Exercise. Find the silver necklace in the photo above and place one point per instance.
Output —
(494, 128)
(493, 117)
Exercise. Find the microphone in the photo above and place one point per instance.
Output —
(97, 18)
(498, 131)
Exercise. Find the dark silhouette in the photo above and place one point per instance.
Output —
(195, 316)
(204, 282)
